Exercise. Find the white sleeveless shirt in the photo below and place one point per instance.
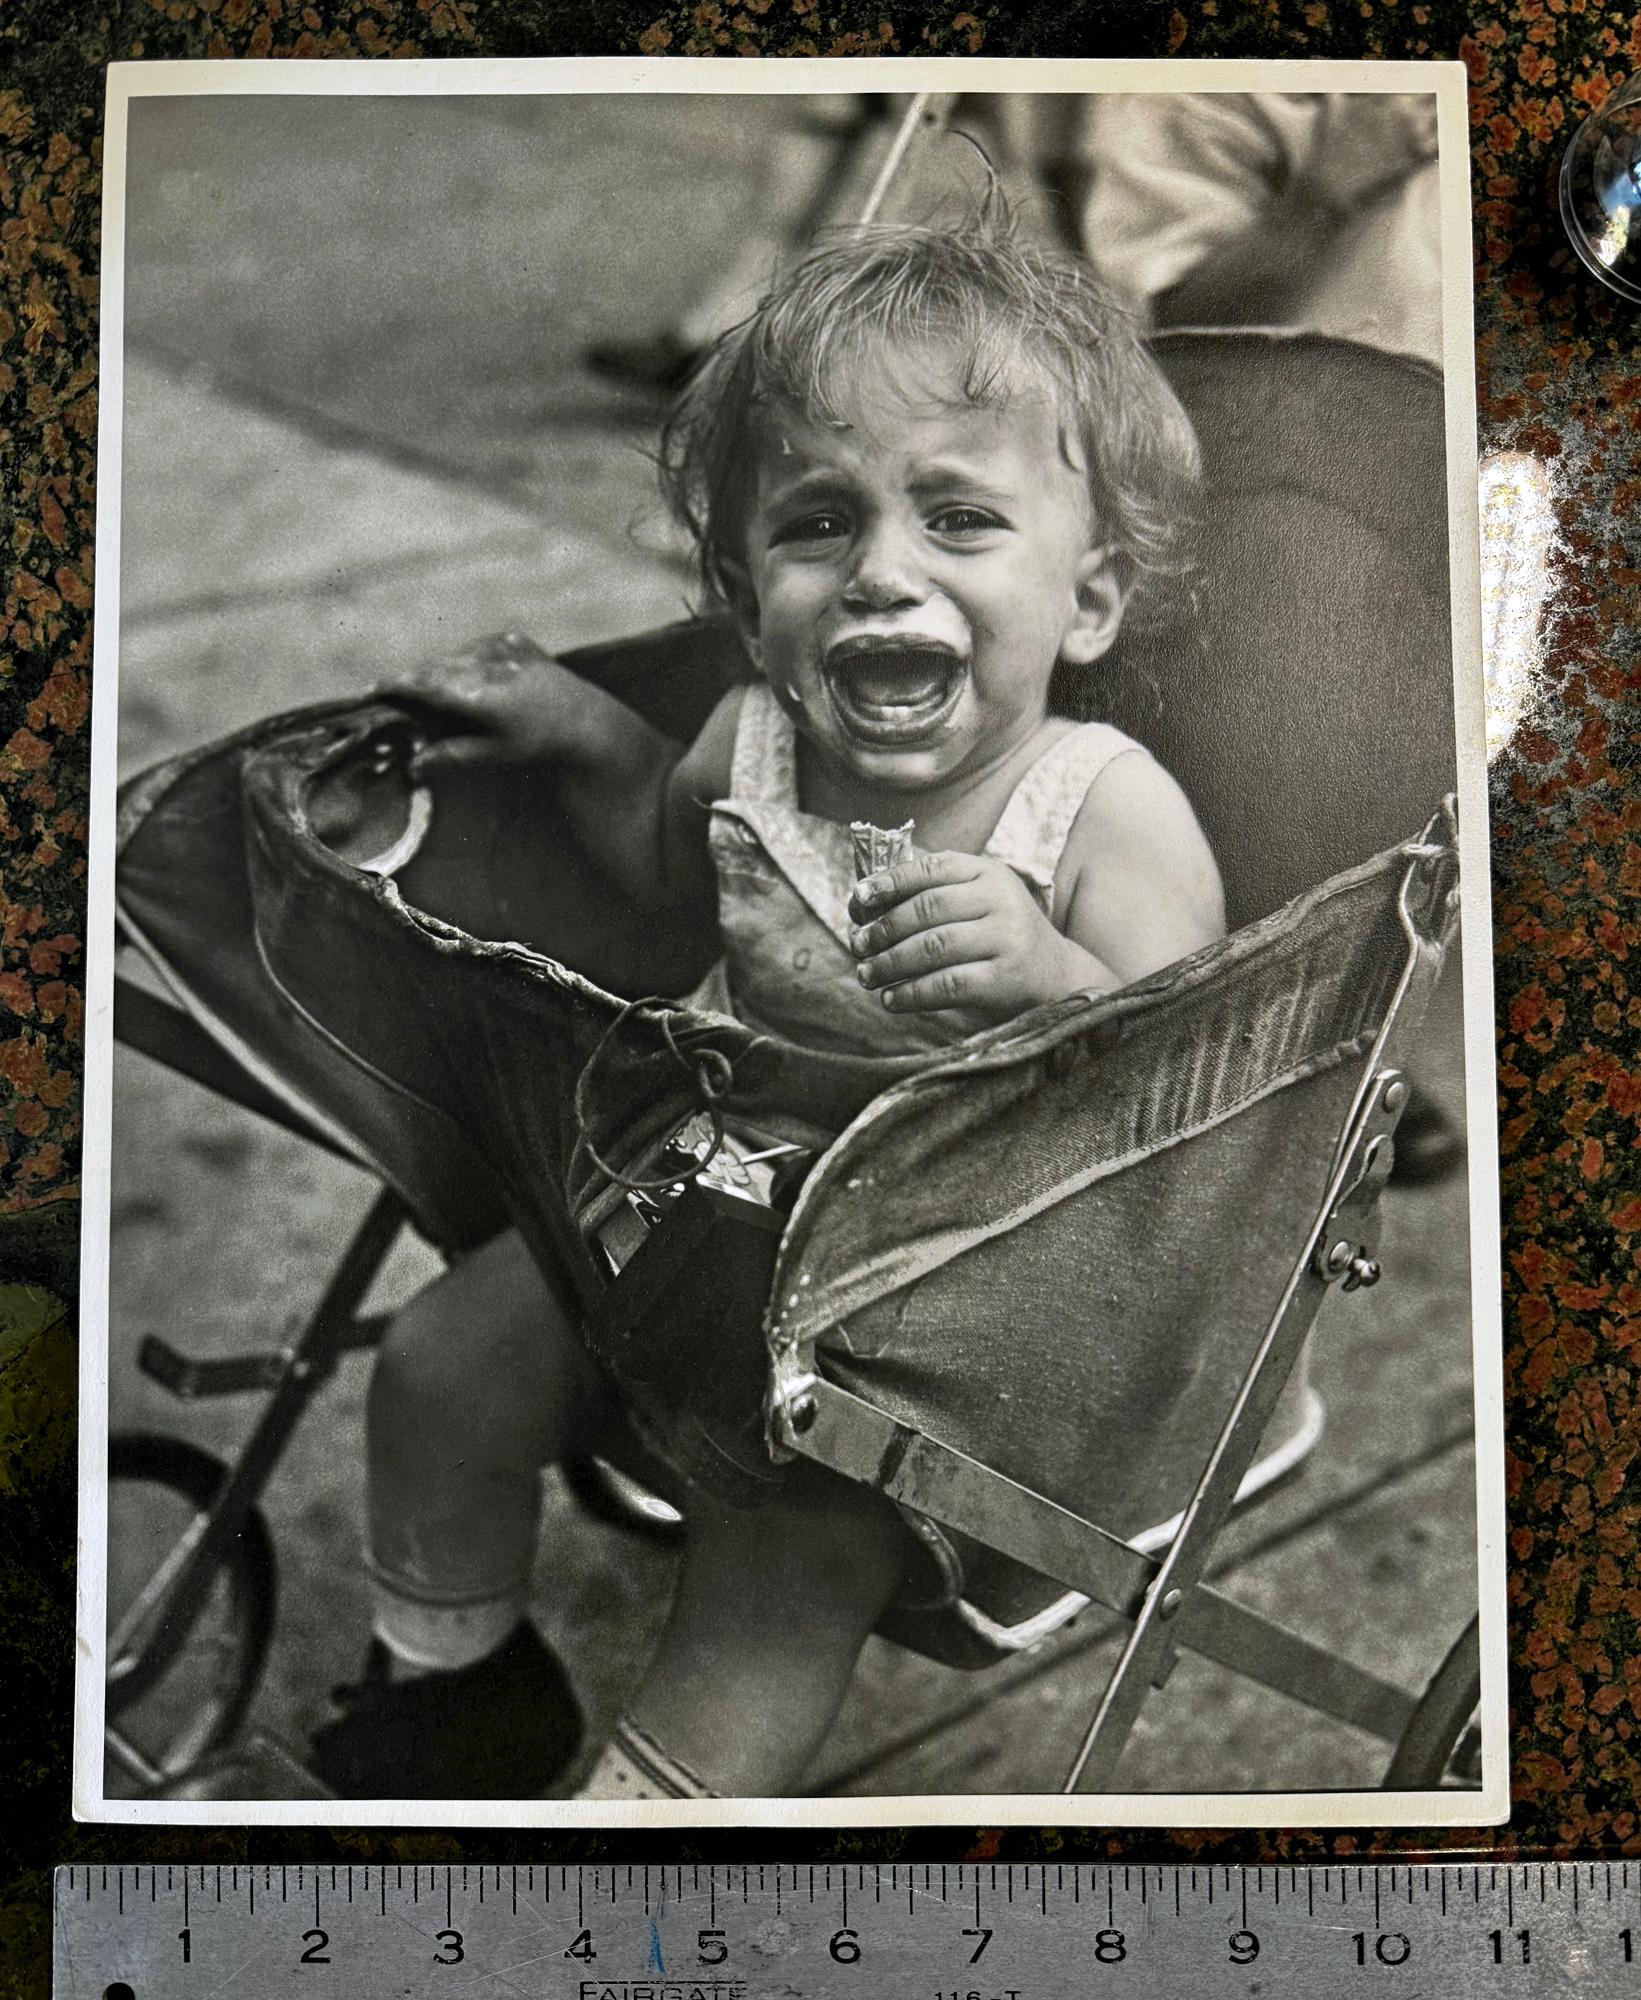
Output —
(785, 878)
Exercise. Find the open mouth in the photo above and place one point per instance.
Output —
(891, 691)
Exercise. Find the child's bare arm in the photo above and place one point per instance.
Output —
(635, 797)
(1143, 886)
(1138, 889)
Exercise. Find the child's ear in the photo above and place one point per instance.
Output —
(1100, 599)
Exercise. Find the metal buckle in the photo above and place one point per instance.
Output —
(1350, 1231)
(790, 1409)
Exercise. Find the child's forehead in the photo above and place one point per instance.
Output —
(912, 404)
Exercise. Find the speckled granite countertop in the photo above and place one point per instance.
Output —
(1560, 386)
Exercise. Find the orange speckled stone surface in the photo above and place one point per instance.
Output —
(1559, 380)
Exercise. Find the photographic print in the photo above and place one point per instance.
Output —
(790, 1041)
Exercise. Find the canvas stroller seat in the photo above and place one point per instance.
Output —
(1095, 1209)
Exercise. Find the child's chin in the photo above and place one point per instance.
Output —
(910, 767)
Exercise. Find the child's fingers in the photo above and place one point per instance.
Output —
(959, 902)
(966, 983)
(473, 708)
(909, 878)
(940, 949)
(473, 679)
(456, 753)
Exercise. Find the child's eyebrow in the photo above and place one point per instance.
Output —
(944, 473)
(784, 484)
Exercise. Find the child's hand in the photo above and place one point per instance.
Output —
(502, 699)
(963, 931)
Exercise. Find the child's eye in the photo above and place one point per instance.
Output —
(965, 521)
(821, 526)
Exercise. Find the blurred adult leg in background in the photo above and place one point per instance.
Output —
(1302, 211)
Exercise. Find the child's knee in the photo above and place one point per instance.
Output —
(825, 1558)
(436, 1353)
(858, 1547)
(485, 1350)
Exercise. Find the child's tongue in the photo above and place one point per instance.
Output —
(909, 677)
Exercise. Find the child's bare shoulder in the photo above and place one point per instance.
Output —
(701, 775)
(703, 772)
(1143, 888)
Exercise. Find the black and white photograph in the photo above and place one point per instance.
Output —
(789, 1047)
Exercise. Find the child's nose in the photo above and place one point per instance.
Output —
(884, 572)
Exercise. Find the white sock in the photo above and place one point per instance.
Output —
(441, 1638)
(632, 1765)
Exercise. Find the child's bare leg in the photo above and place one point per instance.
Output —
(479, 1383)
(772, 1608)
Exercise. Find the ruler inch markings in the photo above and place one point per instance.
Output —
(1580, 1914)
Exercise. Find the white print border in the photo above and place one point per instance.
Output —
(621, 75)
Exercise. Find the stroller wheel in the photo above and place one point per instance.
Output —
(609, 1494)
(1442, 1743)
(179, 1677)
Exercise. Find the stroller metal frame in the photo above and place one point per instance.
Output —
(1165, 1597)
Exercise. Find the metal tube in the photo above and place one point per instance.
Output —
(927, 112)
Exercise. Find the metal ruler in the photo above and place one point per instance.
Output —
(954, 1932)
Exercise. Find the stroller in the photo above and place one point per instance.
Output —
(1179, 1171)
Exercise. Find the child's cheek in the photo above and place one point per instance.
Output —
(790, 698)
(787, 641)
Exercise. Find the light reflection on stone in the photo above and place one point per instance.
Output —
(1518, 540)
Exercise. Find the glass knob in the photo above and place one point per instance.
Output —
(1601, 191)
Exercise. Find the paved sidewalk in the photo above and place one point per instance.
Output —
(357, 434)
